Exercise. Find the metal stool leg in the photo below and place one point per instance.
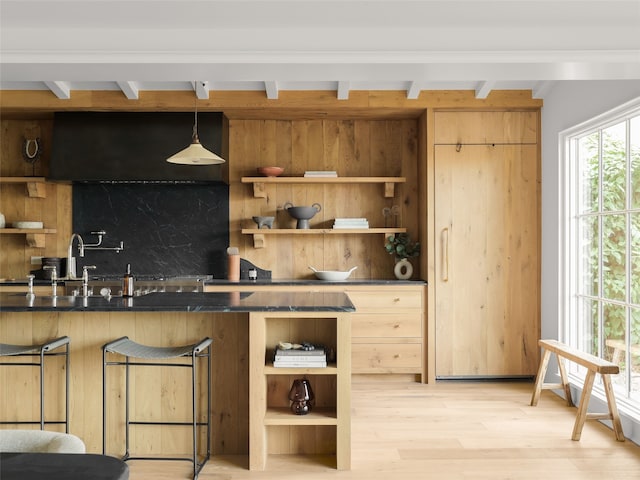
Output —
(66, 393)
(127, 423)
(130, 349)
(40, 352)
(41, 389)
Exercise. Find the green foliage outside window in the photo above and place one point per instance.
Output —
(614, 233)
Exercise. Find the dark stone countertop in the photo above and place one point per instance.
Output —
(313, 282)
(184, 302)
(265, 282)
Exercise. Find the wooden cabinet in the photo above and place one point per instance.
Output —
(387, 330)
(486, 244)
(274, 429)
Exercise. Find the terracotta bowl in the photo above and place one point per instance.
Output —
(270, 171)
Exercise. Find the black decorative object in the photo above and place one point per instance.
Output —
(301, 396)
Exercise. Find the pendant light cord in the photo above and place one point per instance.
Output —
(195, 123)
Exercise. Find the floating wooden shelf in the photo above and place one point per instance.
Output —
(273, 428)
(35, 185)
(259, 183)
(35, 236)
(259, 233)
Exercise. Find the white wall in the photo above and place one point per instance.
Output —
(566, 105)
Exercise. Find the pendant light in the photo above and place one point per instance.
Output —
(195, 154)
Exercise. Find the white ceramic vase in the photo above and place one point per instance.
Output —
(403, 269)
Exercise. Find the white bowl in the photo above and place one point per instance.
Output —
(332, 275)
(27, 224)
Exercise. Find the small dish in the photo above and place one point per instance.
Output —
(332, 275)
(27, 225)
(270, 171)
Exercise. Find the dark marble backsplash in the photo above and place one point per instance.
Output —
(167, 229)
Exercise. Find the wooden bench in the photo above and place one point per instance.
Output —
(593, 365)
(619, 347)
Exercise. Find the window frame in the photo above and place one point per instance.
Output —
(568, 258)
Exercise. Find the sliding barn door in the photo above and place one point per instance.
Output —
(486, 260)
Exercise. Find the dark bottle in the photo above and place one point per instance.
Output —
(127, 283)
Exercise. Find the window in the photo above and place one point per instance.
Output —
(600, 242)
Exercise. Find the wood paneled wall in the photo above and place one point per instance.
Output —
(54, 210)
(351, 147)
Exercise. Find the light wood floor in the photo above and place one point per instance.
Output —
(449, 430)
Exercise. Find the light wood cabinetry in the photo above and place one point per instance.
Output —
(387, 328)
(387, 331)
(486, 244)
(274, 429)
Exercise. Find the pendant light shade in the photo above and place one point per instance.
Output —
(195, 154)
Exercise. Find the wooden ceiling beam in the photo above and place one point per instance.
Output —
(343, 90)
(62, 90)
(202, 90)
(130, 89)
(484, 89)
(413, 91)
(271, 87)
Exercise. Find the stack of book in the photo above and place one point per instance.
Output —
(350, 223)
(300, 358)
(320, 173)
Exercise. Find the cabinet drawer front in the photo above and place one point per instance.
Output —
(365, 356)
(385, 325)
(372, 301)
(452, 128)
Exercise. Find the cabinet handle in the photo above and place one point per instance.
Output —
(445, 254)
(397, 299)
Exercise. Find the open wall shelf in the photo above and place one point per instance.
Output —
(259, 183)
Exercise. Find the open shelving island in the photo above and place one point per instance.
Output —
(243, 325)
(274, 429)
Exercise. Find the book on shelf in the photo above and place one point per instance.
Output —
(320, 173)
(317, 352)
(350, 223)
(278, 364)
(300, 358)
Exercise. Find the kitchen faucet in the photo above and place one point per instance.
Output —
(85, 279)
(71, 260)
(54, 279)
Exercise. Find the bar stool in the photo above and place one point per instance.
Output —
(41, 351)
(130, 349)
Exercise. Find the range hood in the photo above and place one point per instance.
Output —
(131, 147)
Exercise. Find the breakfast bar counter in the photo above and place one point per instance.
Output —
(245, 328)
(181, 302)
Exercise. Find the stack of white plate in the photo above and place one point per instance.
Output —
(346, 223)
(27, 225)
